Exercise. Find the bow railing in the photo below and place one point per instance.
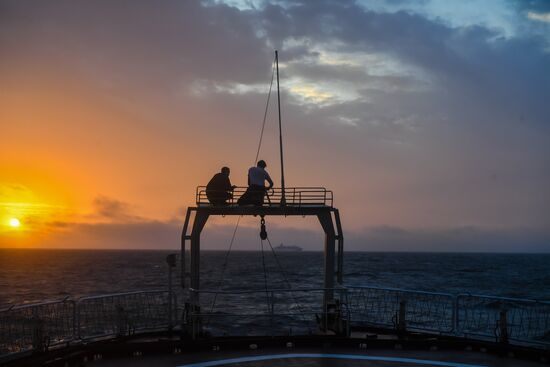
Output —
(54, 324)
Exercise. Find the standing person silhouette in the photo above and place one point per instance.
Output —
(219, 189)
(257, 176)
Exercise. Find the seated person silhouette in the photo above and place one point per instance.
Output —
(219, 189)
(256, 190)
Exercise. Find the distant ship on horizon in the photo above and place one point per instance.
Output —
(292, 248)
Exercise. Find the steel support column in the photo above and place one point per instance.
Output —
(325, 218)
(200, 220)
(340, 240)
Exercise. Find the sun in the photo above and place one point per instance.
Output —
(14, 222)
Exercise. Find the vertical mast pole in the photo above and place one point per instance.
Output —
(283, 199)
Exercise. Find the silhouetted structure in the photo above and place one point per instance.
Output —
(298, 201)
(302, 201)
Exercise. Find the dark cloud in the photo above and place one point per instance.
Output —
(145, 45)
(460, 239)
(120, 235)
(113, 209)
(165, 235)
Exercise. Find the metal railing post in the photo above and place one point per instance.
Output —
(502, 324)
(37, 333)
(171, 261)
(120, 321)
(348, 311)
(402, 313)
(75, 320)
(455, 315)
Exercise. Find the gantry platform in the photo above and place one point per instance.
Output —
(293, 201)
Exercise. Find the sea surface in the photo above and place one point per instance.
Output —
(28, 276)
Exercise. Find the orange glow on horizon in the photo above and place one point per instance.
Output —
(29, 202)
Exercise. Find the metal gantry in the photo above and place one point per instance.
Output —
(304, 201)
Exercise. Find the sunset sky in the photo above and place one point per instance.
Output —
(430, 120)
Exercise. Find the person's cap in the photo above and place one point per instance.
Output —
(225, 169)
(262, 164)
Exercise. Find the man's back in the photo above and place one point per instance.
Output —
(257, 176)
(220, 182)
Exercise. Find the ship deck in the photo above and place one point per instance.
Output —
(360, 350)
(312, 357)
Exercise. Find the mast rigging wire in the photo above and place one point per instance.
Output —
(300, 308)
(220, 282)
(265, 112)
(224, 268)
(265, 279)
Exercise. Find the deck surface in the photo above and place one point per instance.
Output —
(323, 358)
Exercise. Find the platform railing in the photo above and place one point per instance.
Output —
(54, 324)
(294, 196)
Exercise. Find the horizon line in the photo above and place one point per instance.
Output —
(292, 252)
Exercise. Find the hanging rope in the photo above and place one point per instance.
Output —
(265, 278)
(220, 281)
(265, 113)
(263, 234)
(279, 264)
(300, 308)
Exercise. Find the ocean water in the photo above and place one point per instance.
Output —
(34, 275)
